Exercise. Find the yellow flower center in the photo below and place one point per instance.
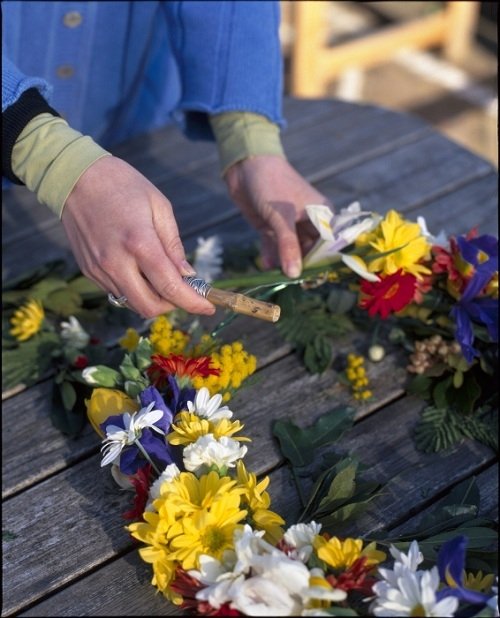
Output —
(213, 539)
(418, 611)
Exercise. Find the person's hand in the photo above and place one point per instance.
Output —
(124, 237)
(272, 195)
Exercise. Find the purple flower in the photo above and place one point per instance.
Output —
(451, 565)
(481, 310)
(139, 438)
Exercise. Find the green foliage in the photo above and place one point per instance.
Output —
(337, 494)
(300, 446)
(29, 362)
(311, 321)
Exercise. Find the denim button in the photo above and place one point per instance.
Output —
(72, 19)
(65, 71)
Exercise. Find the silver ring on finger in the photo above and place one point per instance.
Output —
(117, 301)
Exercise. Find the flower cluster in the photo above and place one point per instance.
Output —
(205, 523)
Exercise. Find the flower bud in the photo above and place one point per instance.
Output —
(376, 353)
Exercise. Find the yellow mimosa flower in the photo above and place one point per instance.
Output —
(129, 340)
(165, 339)
(27, 320)
(406, 242)
(105, 402)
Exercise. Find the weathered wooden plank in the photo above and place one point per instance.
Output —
(407, 177)
(394, 461)
(487, 482)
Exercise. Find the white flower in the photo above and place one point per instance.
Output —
(410, 560)
(262, 596)
(73, 334)
(414, 593)
(208, 258)
(208, 407)
(441, 239)
(208, 451)
(217, 576)
(358, 267)
(170, 473)
(337, 230)
(117, 438)
(300, 536)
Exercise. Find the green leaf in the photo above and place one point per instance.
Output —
(63, 302)
(436, 430)
(439, 393)
(129, 370)
(464, 396)
(318, 354)
(420, 386)
(86, 288)
(342, 485)
(300, 446)
(340, 300)
(29, 362)
(69, 421)
(68, 395)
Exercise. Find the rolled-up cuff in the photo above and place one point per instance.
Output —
(49, 157)
(241, 134)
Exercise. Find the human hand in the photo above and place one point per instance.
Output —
(124, 237)
(272, 195)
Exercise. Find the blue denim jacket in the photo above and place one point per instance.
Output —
(118, 69)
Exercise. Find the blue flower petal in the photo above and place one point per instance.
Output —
(150, 394)
(463, 332)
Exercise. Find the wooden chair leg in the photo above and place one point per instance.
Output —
(461, 19)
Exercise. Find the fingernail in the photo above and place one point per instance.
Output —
(293, 270)
(186, 269)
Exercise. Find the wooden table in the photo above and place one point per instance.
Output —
(67, 553)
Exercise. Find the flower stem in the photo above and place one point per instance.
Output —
(147, 457)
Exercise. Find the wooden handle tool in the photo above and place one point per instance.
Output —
(239, 303)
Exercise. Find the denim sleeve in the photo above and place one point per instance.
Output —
(229, 59)
(15, 83)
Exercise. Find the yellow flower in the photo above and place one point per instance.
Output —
(165, 339)
(235, 365)
(479, 582)
(257, 500)
(187, 493)
(343, 554)
(208, 531)
(405, 241)
(27, 320)
(130, 340)
(152, 532)
(188, 427)
(105, 402)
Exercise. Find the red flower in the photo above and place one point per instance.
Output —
(80, 362)
(179, 366)
(391, 293)
(422, 286)
(355, 578)
(141, 480)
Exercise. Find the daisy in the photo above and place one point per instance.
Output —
(415, 594)
(27, 320)
(208, 407)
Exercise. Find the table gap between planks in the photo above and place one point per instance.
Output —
(67, 553)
